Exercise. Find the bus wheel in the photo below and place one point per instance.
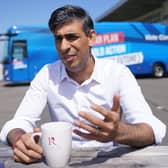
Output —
(158, 70)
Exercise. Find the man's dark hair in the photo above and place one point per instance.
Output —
(69, 13)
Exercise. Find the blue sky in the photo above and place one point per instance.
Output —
(37, 12)
(28, 12)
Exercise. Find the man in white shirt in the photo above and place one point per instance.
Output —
(85, 91)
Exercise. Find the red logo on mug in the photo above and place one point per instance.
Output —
(51, 141)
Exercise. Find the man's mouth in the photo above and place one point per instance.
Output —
(68, 58)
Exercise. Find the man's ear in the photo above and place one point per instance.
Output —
(92, 37)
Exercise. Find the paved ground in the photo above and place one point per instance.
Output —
(155, 91)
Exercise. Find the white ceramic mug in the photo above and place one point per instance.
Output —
(56, 140)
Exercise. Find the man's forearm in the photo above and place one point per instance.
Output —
(136, 135)
(13, 135)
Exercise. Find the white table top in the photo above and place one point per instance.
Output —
(118, 157)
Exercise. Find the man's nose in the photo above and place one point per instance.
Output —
(65, 44)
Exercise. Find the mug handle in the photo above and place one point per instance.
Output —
(36, 136)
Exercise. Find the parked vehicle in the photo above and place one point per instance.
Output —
(143, 47)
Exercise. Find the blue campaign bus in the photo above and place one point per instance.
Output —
(143, 47)
(28, 49)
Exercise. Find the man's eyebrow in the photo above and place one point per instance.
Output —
(68, 36)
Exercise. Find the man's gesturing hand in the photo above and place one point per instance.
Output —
(100, 130)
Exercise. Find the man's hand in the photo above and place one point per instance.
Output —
(112, 129)
(100, 130)
(26, 150)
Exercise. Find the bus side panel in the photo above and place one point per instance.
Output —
(140, 48)
(20, 70)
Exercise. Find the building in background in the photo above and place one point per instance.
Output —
(1, 53)
(1, 69)
(3, 42)
(138, 10)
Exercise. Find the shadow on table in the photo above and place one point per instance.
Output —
(103, 156)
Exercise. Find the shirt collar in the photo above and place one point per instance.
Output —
(96, 75)
(63, 74)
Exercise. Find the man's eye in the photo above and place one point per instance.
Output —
(71, 37)
(58, 38)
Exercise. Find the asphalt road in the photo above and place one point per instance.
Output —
(155, 92)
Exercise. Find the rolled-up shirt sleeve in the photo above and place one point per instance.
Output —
(136, 108)
(31, 107)
(14, 123)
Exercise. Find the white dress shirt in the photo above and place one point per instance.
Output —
(65, 98)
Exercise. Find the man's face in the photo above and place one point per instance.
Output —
(73, 45)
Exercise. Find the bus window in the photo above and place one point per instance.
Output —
(19, 49)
